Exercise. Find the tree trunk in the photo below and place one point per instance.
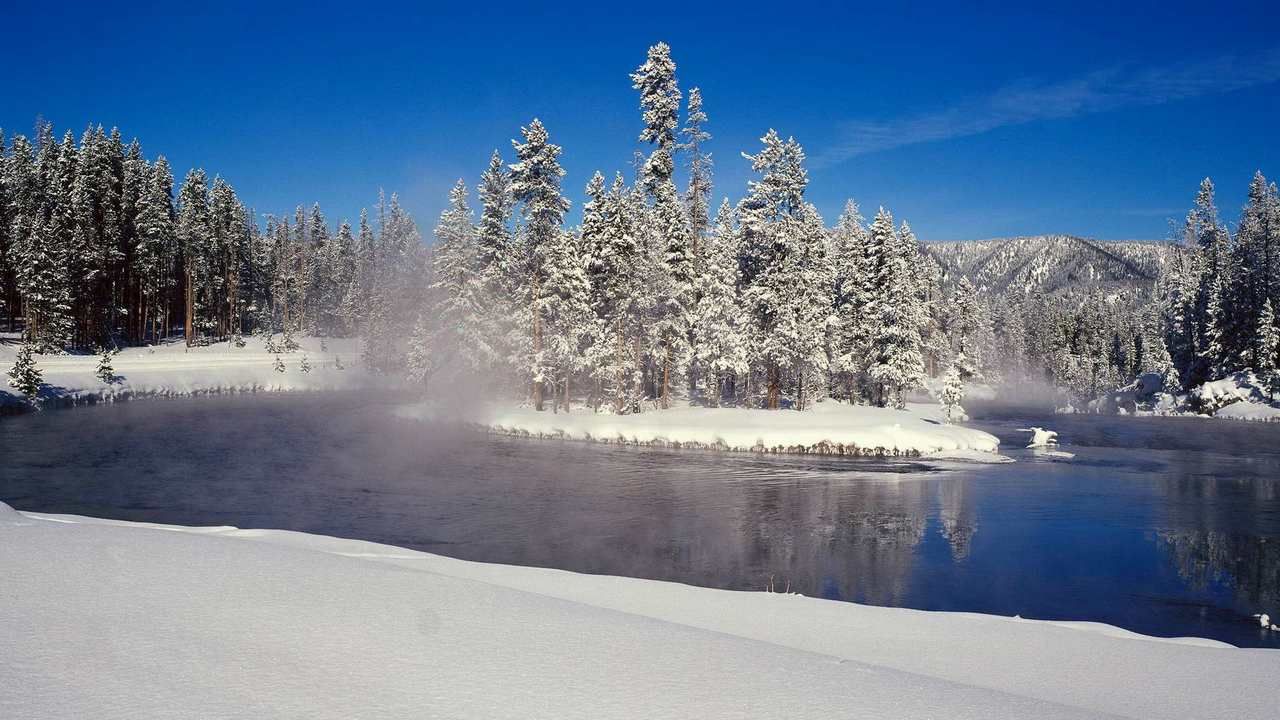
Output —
(537, 343)
(620, 390)
(774, 391)
(666, 377)
(189, 320)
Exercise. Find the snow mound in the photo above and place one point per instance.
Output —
(8, 514)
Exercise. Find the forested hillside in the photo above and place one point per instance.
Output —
(1053, 263)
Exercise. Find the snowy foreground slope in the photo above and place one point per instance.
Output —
(110, 620)
(830, 427)
(176, 370)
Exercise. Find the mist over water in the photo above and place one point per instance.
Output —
(1164, 526)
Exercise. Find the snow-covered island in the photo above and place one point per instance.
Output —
(827, 428)
(163, 621)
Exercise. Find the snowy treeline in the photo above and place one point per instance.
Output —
(1221, 297)
(95, 250)
(1210, 313)
(655, 298)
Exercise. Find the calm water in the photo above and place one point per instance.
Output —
(1164, 526)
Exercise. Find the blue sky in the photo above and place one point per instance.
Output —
(1096, 120)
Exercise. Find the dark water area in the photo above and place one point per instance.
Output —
(1165, 526)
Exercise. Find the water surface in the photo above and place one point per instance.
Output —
(1166, 526)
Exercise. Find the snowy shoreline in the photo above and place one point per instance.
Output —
(829, 428)
(173, 370)
(106, 618)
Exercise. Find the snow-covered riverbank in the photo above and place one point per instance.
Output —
(828, 428)
(109, 619)
(174, 370)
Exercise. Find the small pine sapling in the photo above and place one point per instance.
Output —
(279, 364)
(953, 395)
(25, 376)
(106, 373)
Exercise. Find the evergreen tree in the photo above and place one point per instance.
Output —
(660, 101)
(718, 322)
(952, 395)
(897, 363)
(1267, 344)
(698, 194)
(614, 258)
(105, 372)
(781, 244)
(25, 376)
(458, 331)
(192, 233)
(853, 294)
(535, 183)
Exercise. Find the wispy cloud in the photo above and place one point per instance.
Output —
(1100, 91)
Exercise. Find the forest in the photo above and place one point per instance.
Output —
(659, 295)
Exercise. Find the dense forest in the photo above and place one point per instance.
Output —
(659, 295)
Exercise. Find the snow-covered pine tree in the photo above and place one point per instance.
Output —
(1206, 322)
(342, 278)
(458, 331)
(660, 102)
(535, 183)
(719, 319)
(673, 316)
(8, 276)
(777, 246)
(354, 307)
(697, 196)
(897, 363)
(569, 322)
(502, 269)
(851, 330)
(810, 306)
(105, 371)
(614, 272)
(963, 326)
(192, 233)
(1266, 353)
(952, 394)
(156, 240)
(22, 196)
(25, 376)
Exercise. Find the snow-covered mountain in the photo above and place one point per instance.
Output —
(1052, 263)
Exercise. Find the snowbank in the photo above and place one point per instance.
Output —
(175, 370)
(1239, 396)
(1257, 412)
(829, 428)
(109, 619)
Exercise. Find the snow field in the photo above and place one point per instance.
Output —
(110, 619)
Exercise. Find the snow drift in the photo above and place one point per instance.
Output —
(112, 619)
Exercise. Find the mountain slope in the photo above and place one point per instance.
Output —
(1053, 263)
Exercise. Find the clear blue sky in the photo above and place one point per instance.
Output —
(1096, 120)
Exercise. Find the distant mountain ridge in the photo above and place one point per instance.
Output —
(1053, 263)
